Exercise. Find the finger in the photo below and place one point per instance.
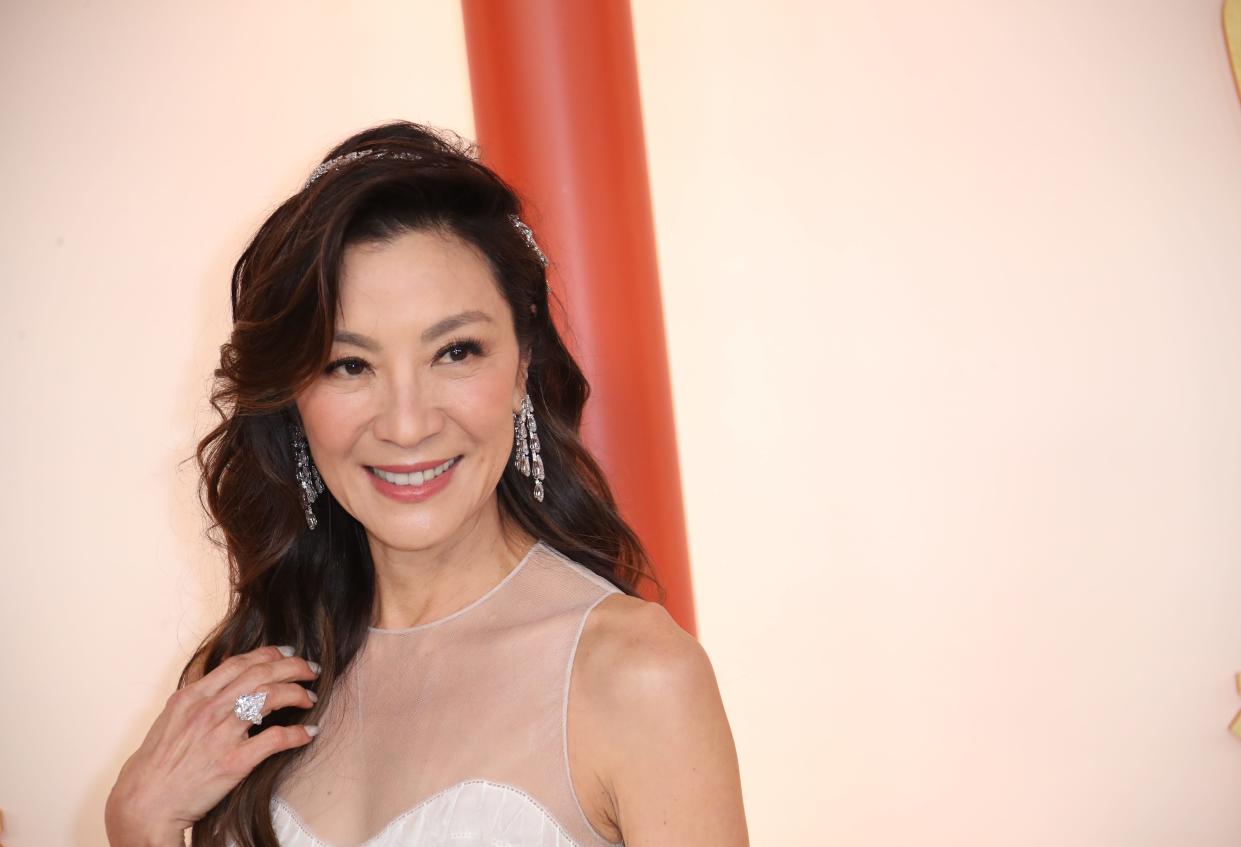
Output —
(274, 739)
(225, 673)
(293, 669)
(202, 701)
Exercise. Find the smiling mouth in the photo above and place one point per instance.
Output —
(417, 477)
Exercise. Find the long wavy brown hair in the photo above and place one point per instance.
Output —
(315, 590)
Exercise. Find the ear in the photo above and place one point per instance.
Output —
(523, 371)
(523, 374)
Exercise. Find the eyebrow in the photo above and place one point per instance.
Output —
(441, 327)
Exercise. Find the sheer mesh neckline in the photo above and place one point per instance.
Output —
(457, 731)
(478, 601)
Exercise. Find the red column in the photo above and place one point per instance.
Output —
(557, 114)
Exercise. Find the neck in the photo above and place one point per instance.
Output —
(413, 587)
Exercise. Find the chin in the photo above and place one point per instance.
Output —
(418, 527)
(403, 537)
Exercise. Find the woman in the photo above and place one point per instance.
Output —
(425, 560)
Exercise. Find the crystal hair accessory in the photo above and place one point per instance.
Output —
(346, 158)
(529, 236)
(333, 164)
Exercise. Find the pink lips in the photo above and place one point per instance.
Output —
(412, 493)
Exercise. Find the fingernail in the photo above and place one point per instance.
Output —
(314, 666)
(314, 698)
(285, 651)
(312, 729)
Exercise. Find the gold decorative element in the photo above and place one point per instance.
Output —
(1232, 34)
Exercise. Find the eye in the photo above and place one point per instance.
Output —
(460, 350)
(352, 366)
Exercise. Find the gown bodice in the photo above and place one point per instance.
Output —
(454, 732)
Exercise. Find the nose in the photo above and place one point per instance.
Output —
(408, 412)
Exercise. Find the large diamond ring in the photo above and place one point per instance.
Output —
(249, 707)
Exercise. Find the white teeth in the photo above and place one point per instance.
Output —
(415, 478)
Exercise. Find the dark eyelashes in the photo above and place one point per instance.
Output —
(344, 360)
(473, 346)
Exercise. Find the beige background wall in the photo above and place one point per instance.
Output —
(953, 299)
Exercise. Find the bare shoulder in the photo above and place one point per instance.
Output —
(657, 734)
(629, 641)
(640, 669)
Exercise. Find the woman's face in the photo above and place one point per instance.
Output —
(411, 424)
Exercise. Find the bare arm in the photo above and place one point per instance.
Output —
(667, 758)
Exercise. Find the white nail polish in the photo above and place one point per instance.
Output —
(314, 698)
(312, 729)
(285, 651)
(314, 666)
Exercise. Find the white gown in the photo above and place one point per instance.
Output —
(454, 732)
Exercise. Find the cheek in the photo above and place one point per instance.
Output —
(487, 405)
(331, 418)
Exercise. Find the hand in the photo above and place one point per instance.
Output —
(198, 749)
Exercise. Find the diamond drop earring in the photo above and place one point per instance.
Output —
(308, 479)
(526, 456)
